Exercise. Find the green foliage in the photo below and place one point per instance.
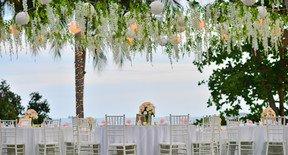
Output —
(10, 103)
(200, 120)
(40, 105)
(250, 77)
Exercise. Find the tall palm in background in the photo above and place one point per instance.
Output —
(79, 59)
(99, 59)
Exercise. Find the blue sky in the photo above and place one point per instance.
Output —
(112, 91)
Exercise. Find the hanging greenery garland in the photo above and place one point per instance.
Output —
(143, 27)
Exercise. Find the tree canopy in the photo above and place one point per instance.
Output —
(10, 103)
(251, 77)
(40, 105)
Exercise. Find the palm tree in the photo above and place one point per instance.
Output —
(79, 58)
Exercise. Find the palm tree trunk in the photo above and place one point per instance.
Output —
(80, 57)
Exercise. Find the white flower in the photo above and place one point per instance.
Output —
(45, 2)
(249, 2)
(262, 11)
(22, 18)
(157, 7)
(163, 40)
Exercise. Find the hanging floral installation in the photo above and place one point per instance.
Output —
(144, 28)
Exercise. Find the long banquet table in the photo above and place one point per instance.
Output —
(147, 138)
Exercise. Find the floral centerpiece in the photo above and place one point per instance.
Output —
(31, 114)
(26, 120)
(91, 122)
(268, 115)
(147, 110)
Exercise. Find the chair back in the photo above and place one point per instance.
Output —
(210, 129)
(10, 133)
(51, 131)
(83, 130)
(233, 130)
(179, 128)
(115, 129)
(275, 129)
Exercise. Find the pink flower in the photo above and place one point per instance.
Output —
(103, 123)
(128, 122)
(184, 121)
(162, 121)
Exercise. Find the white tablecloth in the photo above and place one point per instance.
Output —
(147, 138)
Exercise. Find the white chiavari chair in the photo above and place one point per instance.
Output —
(276, 141)
(116, 136)
(235, 145)
(178, 136)
(208, 140)
(12, 140)
(233, 136)
(84, 138)
(50, 139)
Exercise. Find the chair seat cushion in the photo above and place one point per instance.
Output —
(173, 143)
(121, 144)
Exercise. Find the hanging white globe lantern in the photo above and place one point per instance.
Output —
(127, 14)
(157, 7)
(163, 40)
(249, 2)
(45, 2)
(22, 18)
(262, 11)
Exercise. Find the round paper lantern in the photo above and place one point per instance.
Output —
(40, 39)
(202, 24)
(22, 18)
(262, 11)
(127, 14)
(134, 27)
(45, 2)
(74, 28)
(130, 41)
(175, 39)
(163, 40)
(13, 30)
(261, 21)
(157, 7)
(249, 2)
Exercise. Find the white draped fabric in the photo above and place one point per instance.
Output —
(148, 138)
